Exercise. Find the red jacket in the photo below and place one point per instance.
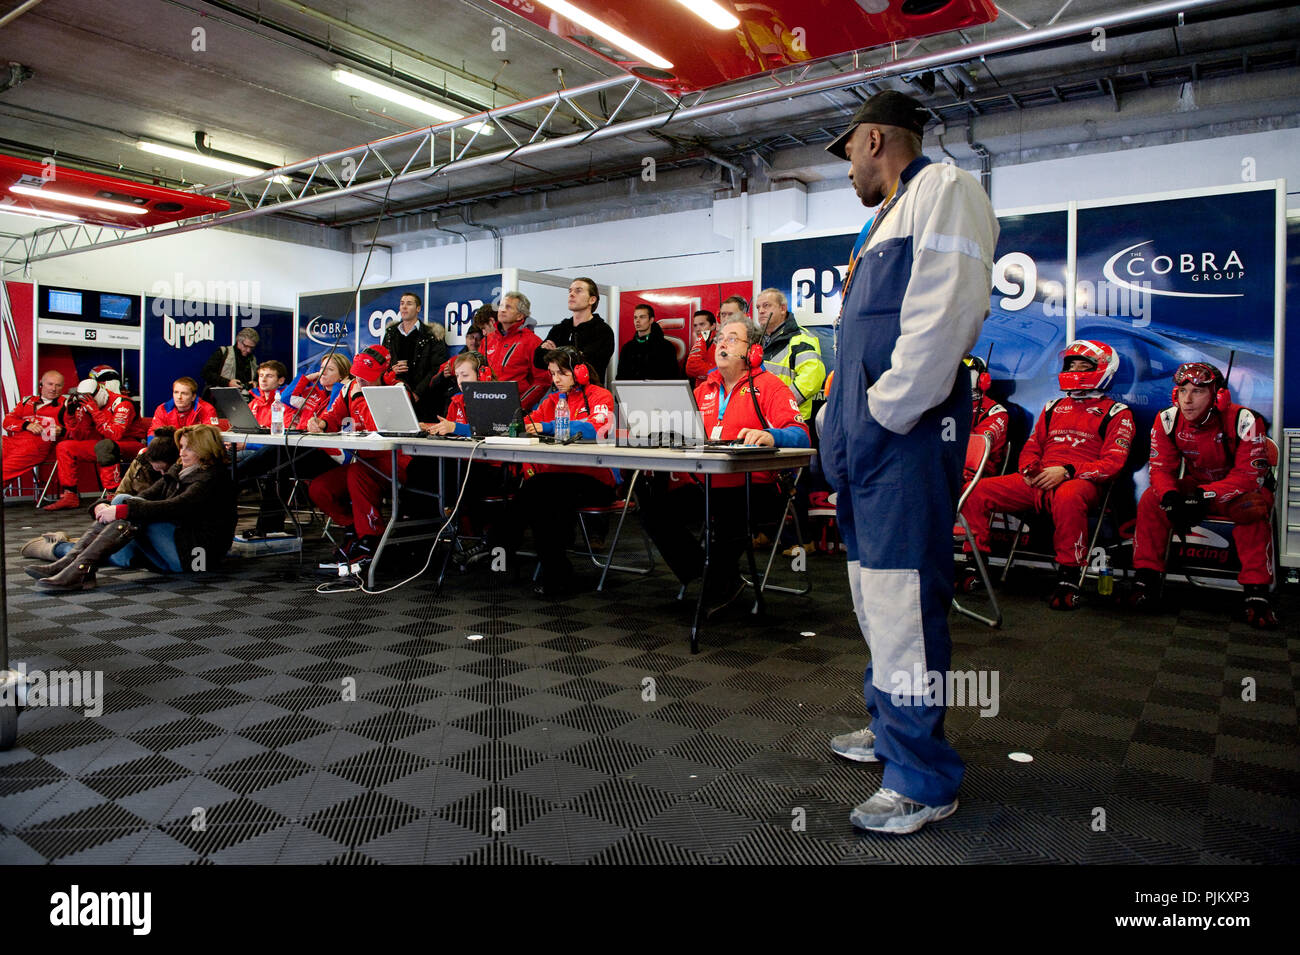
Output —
(456, 409)
(31, 409)
(1226, 456)
(316, 399)
(700, 361)
(987, 417)
(774, 398)
(590, 403)
(1090, 437)
(166, 416)
(510, 355)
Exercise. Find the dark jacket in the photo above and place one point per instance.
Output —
(594, 338)
(245, 369)
(201, 505)
(652, 358)
(430, 353)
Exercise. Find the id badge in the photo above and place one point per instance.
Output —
(716, 434)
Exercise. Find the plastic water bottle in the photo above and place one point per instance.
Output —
(562, 419)
(1105, 578)
(277, 415)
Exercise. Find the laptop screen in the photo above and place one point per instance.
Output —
(231, 406)
(491, 406)
(390, 407)
(658, 414)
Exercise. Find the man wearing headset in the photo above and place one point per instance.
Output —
(738, 401)
(1227, 475)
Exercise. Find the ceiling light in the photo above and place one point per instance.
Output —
(32, 214)
(714, 14)
(52, 196)
(607, 32)
(201, 159)
(401, 98)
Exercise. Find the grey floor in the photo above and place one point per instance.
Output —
(226, 738)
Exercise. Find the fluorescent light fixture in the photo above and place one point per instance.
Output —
(87, 201)
(33, 214)
(607, 32)
(714, 14)
(200, 159)
(401, 98)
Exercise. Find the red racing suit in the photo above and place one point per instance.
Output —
(316, 398)
(90, 427)
(24, 450)
(589, 405)
(351, 495)
(700, 361)
(987, 417)
(166, 416)
(774, 397)
(510, 355)
(1091, 439)
(1226, 456)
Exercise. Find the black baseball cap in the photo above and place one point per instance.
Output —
(886, 108)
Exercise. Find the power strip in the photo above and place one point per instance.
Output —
(504, 439)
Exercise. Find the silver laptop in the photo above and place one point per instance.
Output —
(663, 414)
(390, 406)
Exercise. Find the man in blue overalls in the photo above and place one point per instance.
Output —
(894, 442)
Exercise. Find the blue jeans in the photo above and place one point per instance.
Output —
(155, 543)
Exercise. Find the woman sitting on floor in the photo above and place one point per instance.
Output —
(184, 521)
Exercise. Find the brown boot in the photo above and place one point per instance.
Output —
(49, 570)
(79, 574)
(42, 548)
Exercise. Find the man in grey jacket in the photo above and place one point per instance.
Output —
(894, 442)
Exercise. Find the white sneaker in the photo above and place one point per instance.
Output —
(859, 746)
(889, 811)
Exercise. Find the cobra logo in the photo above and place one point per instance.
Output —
(325, 331)
(1138, 267)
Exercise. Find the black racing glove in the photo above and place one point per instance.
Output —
(1185, 509)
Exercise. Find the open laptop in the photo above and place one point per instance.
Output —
(232, 406)
(663, 414)
(491, 407)
(394, 415)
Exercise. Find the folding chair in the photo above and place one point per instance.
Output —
(996, 620)
(789, 512)
(44, 494)
(620, 507)
(1024, 530)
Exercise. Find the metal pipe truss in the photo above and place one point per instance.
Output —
(439, 150)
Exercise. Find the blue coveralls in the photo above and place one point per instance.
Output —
(897, 497)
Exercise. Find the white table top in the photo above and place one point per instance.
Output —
(579, 454)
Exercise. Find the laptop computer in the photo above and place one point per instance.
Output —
(390, 407)
(491, 407)
(663, 414)
(232, 406)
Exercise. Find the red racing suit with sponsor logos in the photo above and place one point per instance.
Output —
(736, 411)
(1089, 437)
(351, 495)
(1226, 456)
(117, 422)
(987, 417)
(510, 355)
(24, 450)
